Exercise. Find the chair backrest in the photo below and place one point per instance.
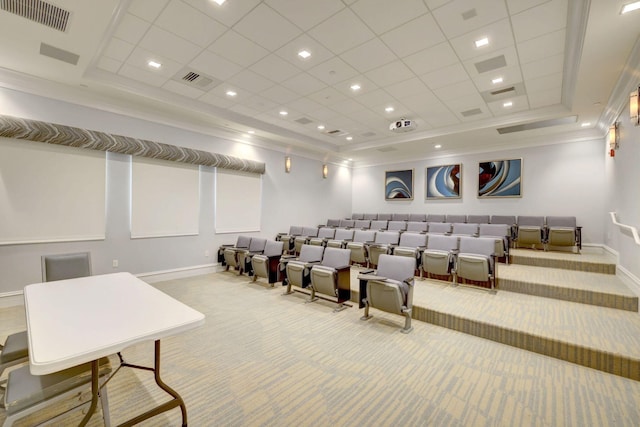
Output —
(326, 233)
(443, 243)
(418, 226)
(396, 267)
(371, 217)
(399, 217)
(561, 221)
(343, 234)
(397, 225)
(257, 244)
(243, 242)
(335, 257)
(477, 245)
(503, 219)
(464, 229)
(412, 240)
(435, 218)
(361, 236)
(478, 219)
(310, 231)
(273, 248)
(439, 227)
(347, 223)
(418, 217)
(388, 237)
(494, 230)
(455, 218)
(362, 223)
(355, 216)
(379, 224)
(65, 266)
(384, 217)
(311, 253)
(295, 230)
(333, 222)
(534, 221)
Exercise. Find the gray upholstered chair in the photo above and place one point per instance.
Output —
(256, 247)
(27, 393)
(242, 242)
(476, 261)
(65, 266)
(400, 217)
(355, 216)
(266, 264)
(391, 289)
(417, 227)
(347, 223)
(411, 245)
(303, 239)
(332, 276)
(231, 252)
(362, 224)
(358, 247)
(289, 239)
(418, 217)
(439, 228)
(502, 235)
(298, 270)
(436, 217)
(397, 226)
(341, 238)
(462, 229)
(333, 223)
(438, 257)
(384, 217)
(371, 217)
(509, 220)
(14, 351)
(563, 231)
(384, 243)
(478, 219)
(530, 231)
(455, 218)
(379, 224)
(324, 234)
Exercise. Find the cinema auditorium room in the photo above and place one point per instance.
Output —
(319, 213)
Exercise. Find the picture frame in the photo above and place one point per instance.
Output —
(500, 178)
(398, 185)
(443, 182)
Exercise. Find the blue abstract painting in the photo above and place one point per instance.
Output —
(398, 185)
(500, 178)
(443, 182)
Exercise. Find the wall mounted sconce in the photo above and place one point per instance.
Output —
(614, 138)
(633, 107)
(287, 164)
(325, 171)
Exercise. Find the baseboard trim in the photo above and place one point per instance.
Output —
(11, 299)
(630, 279)
(178, 273)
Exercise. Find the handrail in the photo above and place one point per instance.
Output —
(633, 230)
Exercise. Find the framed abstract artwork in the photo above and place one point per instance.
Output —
(398, 185)
(444, 182)
(500, 178)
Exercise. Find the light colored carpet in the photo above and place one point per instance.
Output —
(263, 359)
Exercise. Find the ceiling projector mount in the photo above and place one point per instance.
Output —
(403, 125)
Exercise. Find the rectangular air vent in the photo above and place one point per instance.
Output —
(38, 11)
(491, 64)
(59, 54)
(387, 149)
(503, 91)
(196, 79)
(471, 112)
(303, 121)
(471, 13)
(538, 124)
(336, 132)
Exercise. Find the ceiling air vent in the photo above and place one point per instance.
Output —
(491, 64)
(387, 149)
(503, 91)
(538, 124)
(59, 54)
(336, 132)
(196, 79)
(471, 13)
(471, 112)
(38, 11)
(303, 121)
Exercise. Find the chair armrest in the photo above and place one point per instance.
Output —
(226, 246)
(344, 267)
(371, 277)
(368, 271)
(287, 257)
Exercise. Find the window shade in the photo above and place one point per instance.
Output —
(238, 201)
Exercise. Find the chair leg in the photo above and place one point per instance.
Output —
(312, 296)
(366, 311)
(104, 401)
(407, 322)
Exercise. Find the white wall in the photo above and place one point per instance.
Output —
(561, 179)
(301, 197)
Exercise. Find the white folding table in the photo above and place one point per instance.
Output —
(75, 321)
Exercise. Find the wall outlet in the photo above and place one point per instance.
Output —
(115, 263)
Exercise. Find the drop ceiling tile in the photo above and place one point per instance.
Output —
(327, 96)
(306, 14)
(333, 71)
(498, 33)
(244, 110)
(368, 56)
(279, 95)
(212, 98)
(551, 81)
(169, 45)
(108, 64)
(366, 85)
(442, 119)
(508, 54)
(384, 15)
(509, 75)
(543, 67)
(182, 89)
(434, 4)
(542, 19)
(228, 13)
(465, 89)
(118, 49)
(267, 28)
(275, 68)
(423, 102)
(260, 104)
(519, 103)
(407, 88)
(147, 9)
(545, 98)
(400, 111)
(445, 76)
(453, 23)
(376, 97)
(462, 105)
(189, 23)
(238, 49)
(346, 106)
(431, 59)
(390, 73)
(140, 58)
(214, 65)
(341, 32)
(368, 117)
(303, 84)
(250, 81)
(324, 114)
(517, 6)
(138, 74)
(131, 28)
(305, 106)
(541, 47)
(414, 36)
(319, 53)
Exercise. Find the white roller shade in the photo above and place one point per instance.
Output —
(238, 201)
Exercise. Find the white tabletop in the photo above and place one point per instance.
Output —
(74, 321)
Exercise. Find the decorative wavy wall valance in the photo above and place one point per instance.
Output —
(50, 133)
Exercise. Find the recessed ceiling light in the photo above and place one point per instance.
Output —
(251, 132)
(321, 127)
(231, 93)
(507, 104)
(349, 138)
(496, 80)
(355, 87)
(482, 42)
(389, 109)
(219, 2)
(630, 7)
(349, 160)
(283, 113)
(154, 64)
(304, 54)
(437, 146)
(585, 124)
